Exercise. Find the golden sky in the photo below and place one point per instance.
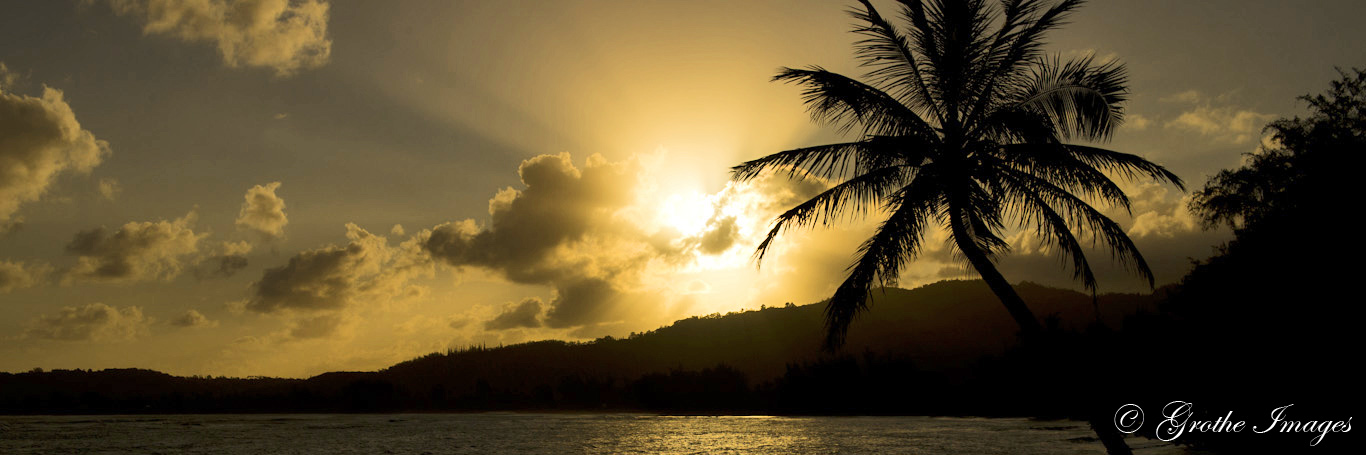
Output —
(272, 187)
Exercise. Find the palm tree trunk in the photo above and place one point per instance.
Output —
(1029, 325)
(1030, 329)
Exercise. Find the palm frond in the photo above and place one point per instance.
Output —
(825, 161)
(1082, 216)
(895, 67)
(835, 161)
(881, 257)
(1059, 165)
(847, 103)
(1080, 98)
(854, 197)
(1130, 166)
(997, 59)
(1034, 211)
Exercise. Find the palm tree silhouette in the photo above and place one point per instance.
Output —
(966, 127)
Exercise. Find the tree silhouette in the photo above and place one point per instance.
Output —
(1303, 175)
(964, 127)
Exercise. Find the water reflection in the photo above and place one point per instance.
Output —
(542, 433)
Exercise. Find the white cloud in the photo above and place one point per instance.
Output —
(7, 77)
(1135, 122)
(263, 212)
(1214, 119)
(283, 35)
(1160, 211)
(17, 275)
(193, 319)
(1225, 124)
(39, 140)
(92, 322)
(109, 188)
(138, 251)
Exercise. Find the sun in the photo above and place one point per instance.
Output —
(686, 213)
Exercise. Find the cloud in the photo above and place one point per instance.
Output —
(319, 279)
(193, 319)
(92, 322)
(1222, 123)
(318, 326)
(263, 212)
(138, 251)
(39, 140)
(561, 204)
(283, 35)
(1159, 211)
(524, 314)
(1166, 234)
(226, 260)
(720, 235)
(321, 285)
(566, 229)
(1225, 124)
(220, 266)
(1187, 97)
(109, 189)
(608, 241)
(1135, 122)
(7, 78)
(17, 275)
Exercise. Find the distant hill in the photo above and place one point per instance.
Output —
(941, 325)
(944, 328)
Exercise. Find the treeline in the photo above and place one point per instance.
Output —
(867, 384)
(768, 361)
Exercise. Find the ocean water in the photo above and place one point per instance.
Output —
(497, 433)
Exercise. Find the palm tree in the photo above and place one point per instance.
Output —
(964, 124)
(963, 128)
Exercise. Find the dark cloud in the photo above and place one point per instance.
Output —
(582, 302)
(223, 261)
(320, 326)
(320, 287)
(560, 205)
(39, 140)
(721, 234)
(320, 279)
(561, 230)
(138, 251)
(220, 266)
(92, 322)
(284, 35)
(192, 319)
(525, 314)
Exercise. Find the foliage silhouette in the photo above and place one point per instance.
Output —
(965, 128)
(766, 361)
(1302, 173)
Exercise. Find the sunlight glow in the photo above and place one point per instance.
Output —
(687, 213)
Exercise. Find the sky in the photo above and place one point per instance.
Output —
(284, 188)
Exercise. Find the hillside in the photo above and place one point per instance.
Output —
(941, 326)
(941, 329)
